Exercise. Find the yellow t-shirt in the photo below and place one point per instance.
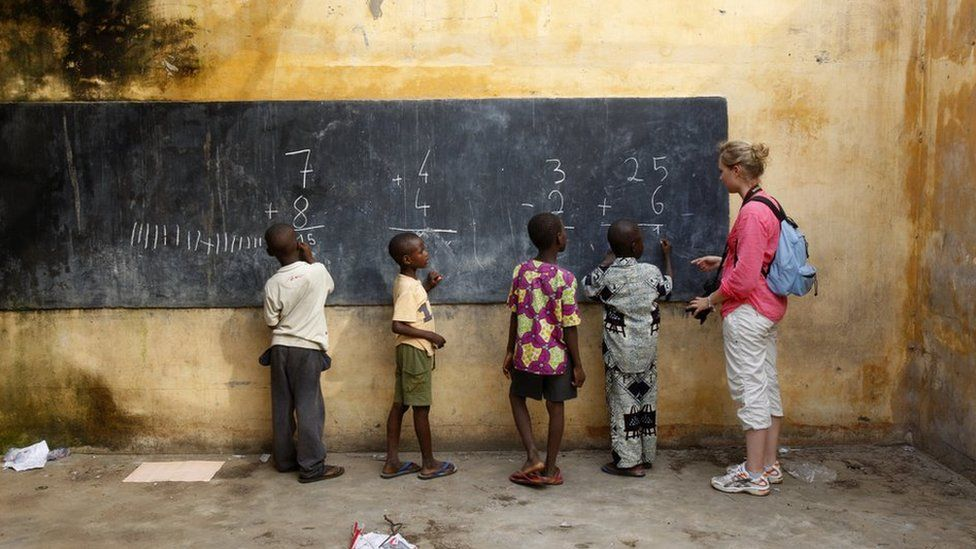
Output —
(410, 305)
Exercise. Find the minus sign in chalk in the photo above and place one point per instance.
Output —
(687, 215)
(526, 204)
(304, 229)
(569, 227)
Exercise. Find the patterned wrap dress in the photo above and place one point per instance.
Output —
(629, 292)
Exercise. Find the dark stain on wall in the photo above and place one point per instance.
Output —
(375, 7)
(66, 407)
(92, 47)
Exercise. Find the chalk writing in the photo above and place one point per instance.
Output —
(636, 167)
(304, 171)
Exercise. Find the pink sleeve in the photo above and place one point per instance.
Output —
(750, 248)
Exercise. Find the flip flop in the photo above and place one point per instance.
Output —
(447, 468)
(407, 468)
(330, 471)
(554, 480)
(523, 479)
(612, 469)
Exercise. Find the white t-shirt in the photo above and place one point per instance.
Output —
(294, 305)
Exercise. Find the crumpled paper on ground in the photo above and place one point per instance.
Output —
(31, 457)
(372, 540)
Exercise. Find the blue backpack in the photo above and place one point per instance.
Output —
(789, 272)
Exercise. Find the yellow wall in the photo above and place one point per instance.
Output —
(832, 86)
(941, 383)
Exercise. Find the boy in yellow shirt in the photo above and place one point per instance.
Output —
(413, 324)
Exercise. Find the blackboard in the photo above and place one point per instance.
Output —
(147, 204)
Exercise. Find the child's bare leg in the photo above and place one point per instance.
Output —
(557, 422)
(523, 422)
(421, 424)
(393, 423)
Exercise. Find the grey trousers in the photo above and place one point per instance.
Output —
(297, 410)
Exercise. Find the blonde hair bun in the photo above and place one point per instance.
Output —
(751, 156)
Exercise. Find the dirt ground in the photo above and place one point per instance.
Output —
(881, 497)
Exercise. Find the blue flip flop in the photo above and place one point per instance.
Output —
(446, 468)
(408, 468)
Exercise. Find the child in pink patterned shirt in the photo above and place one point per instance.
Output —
(542, 356)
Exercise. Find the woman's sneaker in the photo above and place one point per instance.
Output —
(774, 472)
(738, 480)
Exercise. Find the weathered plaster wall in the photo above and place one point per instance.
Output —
(941, 387)
(823, 82)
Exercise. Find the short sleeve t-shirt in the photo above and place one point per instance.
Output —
(294, 301)
(410, 305)
(543, 297)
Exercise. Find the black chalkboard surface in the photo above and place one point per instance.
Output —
(164, 204)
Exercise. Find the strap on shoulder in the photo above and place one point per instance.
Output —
(777, 210)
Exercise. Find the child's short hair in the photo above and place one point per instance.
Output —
(621, 235)
(401, 245)
(543, 229)
(280, 238)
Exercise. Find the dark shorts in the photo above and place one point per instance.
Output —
(554, 388)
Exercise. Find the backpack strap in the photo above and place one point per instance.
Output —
(780, 214)
(777, 210)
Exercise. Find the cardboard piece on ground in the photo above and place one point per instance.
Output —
(175, 471)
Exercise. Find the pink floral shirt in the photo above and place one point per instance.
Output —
(543, 296)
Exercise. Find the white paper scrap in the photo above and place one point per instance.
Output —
(175, 471)
(31, 457)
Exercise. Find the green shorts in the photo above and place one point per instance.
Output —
(413, 376)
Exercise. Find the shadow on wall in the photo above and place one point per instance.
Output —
(67, 407)
(92, 48)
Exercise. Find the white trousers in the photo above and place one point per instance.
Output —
(750, 364)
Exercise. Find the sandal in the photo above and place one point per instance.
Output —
(406, 468)
(555, 480)
(446, 468)
(330, 471)
(523, 479)
(612, 469)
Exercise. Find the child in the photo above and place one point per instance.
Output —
(628, 291)
(413, 324)
(542, 357)
(294, 301)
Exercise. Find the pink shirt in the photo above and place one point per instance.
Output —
(751, 246)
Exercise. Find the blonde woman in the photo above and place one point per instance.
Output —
(750, 315)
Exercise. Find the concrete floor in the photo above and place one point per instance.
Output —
(883, 496)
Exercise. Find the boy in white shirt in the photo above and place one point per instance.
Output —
(294, 308)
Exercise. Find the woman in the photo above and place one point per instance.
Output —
(750, 313)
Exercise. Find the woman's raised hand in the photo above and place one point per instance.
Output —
(707, 262)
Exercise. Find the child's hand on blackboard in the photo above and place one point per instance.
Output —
(666, 246)
(433, 279)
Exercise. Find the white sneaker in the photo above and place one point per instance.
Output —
(774, 472)
(738, 480)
